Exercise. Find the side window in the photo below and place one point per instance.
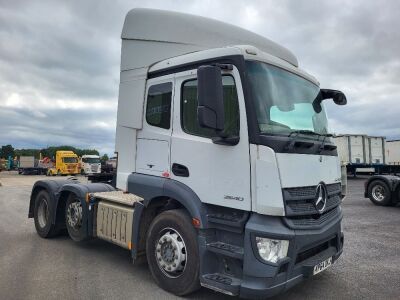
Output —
(158, 110)
(190, 124)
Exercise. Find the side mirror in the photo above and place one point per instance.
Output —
(210, 109)
(337, 96)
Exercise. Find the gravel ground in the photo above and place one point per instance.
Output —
(35, 268)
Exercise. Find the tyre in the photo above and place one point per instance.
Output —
(42, 216)
(172, 252)
(379, 193)
(74, 218)
(58, 172)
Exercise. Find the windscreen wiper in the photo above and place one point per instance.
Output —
(296, 133)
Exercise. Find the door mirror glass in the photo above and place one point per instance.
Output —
(210, 109)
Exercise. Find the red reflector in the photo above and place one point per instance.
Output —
(196, 222)
(165, 174)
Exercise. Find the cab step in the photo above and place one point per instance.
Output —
(221, 283)
(226, 249)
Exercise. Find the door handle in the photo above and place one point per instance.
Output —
(180, 170)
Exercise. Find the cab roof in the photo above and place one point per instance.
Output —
(150, 36)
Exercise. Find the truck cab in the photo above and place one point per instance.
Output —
(66, 164)
(226, 174)
(90, 164)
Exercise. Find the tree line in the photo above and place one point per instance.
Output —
(8, 150)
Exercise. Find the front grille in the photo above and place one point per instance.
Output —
(301, 212)
(303, 222)
(300, 200)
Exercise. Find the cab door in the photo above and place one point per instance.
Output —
(154, 140)
(218, 174)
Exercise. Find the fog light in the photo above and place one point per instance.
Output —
(272, 250)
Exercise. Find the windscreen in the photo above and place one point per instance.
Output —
(70, 160)
(284, 101)
(91, 160)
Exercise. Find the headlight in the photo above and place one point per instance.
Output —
(272, 250)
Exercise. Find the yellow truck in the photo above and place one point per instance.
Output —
(66, 164)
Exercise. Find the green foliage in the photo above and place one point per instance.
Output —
(49, 151)
(104, 158)
(7, 151)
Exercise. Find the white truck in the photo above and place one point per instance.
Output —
(226, 175)
(90, 164)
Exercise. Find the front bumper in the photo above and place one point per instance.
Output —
(306, 249)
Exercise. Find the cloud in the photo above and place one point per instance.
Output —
(59, 62)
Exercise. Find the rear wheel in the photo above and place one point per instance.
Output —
(172, 252)
(42, 215)
(74, 218)
(379, 193)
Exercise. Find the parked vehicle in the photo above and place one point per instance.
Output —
(383, 190)
(226, 176)
(367, 154)
(90, 164)
(66, 164)
(28, 165)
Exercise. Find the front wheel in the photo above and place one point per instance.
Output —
(379, 193)
(172, 252)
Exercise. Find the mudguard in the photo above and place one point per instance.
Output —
(59, 190)
(151, 187)
(52, 187)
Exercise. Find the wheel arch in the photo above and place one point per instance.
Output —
(160, 194)
(51, 186)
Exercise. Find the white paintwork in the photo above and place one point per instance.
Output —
(393, 152)
(297, 170)
(244, 176)
(131, 98)
(151, 35)
(90, 168)
(377, 151)
(125, 147)
(153, 144)
(129, 119)
(231, 50)
(152, 157)
(216, 171)
(265, 182)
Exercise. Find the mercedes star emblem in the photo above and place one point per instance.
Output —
(320, 198)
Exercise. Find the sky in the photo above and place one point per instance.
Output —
(59, 62)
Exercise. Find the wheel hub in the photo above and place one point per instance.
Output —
(378, 192)
(171, 253)
(74, 214)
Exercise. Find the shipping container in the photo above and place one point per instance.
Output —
(352, 148)
(377, 149)
(393, 152)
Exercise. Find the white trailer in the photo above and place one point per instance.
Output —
(226, 175)
(393, 152)
(352, 148)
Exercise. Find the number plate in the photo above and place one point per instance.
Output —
(322, 266)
